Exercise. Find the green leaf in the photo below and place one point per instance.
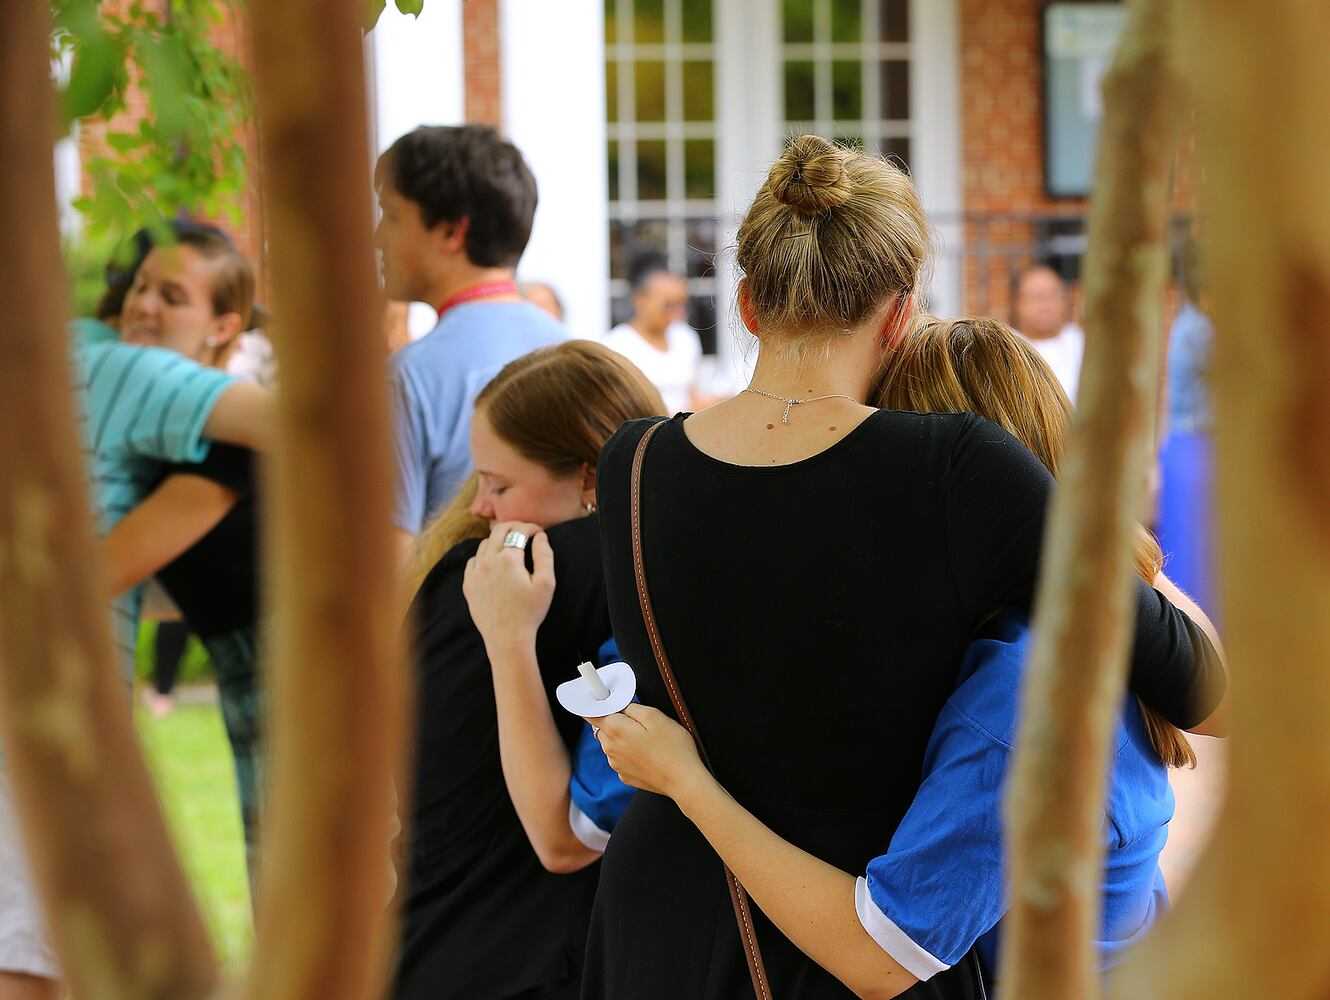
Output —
(373, 9)
(122, 142)
(166, 71)
(413, 7)
(92, 79)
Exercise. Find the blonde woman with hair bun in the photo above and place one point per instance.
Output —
(817, 568)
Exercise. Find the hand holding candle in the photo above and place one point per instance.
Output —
(597, 693)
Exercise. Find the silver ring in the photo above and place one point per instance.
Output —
(514, 540)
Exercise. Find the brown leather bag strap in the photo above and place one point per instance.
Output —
(738, 894)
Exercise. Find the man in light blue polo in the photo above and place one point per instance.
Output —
(457, 206)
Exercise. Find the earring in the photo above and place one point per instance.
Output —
(211, 341)
(590, 507)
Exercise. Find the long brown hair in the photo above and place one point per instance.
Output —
(981, 365)
(556, 406)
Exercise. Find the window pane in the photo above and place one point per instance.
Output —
(610, 7)
(699, 168)
(648, 22)
(897, 150)
(798, 20)
(846, 20)
(896, 90)
(799, 90)
(613, 165)
(697, 20)
(651, 170)
(701, 249)
(894, 20)
(650, 91)
(611, 91)
(849, 140)
(847, 93)
(698, 91)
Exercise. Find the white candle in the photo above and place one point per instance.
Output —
(597, 685)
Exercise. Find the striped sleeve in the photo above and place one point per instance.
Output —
(151, 403)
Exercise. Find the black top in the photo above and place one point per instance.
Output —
(482, 920)
(215, 583)
(866, 568)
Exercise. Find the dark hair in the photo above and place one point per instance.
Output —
(643, 266)
(466, 172)
(1018, 278)
(122, 267)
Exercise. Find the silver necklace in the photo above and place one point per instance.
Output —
(789, 402)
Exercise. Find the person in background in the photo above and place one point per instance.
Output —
(1185, 520)
(138, 407)
(791, 527)
(197, 530)
(499, 881)
(1039, 314)
(656, 338)
(542, 294)
(457, 206)
(947, 854)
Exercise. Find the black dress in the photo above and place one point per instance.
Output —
(867, 567)
(482, 919)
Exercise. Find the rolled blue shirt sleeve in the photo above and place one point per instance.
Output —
(939, 887)
(597, 798)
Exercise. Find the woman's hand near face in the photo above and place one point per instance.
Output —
(507, 603)
(651, 751)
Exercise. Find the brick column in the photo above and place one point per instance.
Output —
(480, 56)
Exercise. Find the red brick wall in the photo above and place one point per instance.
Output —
(231, 37)
(480, 56)
(1002, 147)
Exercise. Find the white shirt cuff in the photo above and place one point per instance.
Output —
(585, 830)
(891, 939)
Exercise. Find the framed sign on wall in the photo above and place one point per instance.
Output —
(1079, 42)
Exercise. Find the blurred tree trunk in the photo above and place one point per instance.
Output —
(1256, 915)
(122, 916)
(337, 684)
(1083, 612)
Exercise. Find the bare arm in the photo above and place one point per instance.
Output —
(507, 605)
(811, 901)
(174, 516)
(244, 414)
(1217, 723)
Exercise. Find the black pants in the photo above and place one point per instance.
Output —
(169, 648)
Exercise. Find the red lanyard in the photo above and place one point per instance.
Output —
(485, 290)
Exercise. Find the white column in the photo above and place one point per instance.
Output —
(553, 73)
(416, 77)
(748, 90)
(935, 141)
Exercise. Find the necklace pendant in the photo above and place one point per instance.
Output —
(785, 418)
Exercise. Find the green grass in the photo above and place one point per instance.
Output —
(191, 760)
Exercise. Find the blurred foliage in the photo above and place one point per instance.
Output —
(182, 155)
(374, 8)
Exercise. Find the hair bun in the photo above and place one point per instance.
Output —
(810, 177)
